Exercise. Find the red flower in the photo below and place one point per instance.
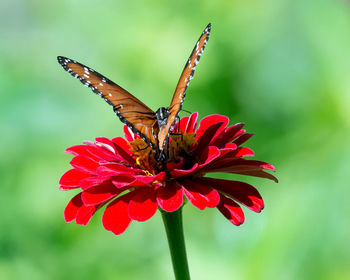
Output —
(123, 174)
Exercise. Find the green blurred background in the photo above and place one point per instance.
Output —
(280, 66)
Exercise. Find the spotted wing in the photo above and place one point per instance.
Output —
(131, 111)
(180, 91)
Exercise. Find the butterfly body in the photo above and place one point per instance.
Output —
(153, 127)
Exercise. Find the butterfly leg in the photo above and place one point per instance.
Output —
(178, 127)
(178, 132)
(142, 149)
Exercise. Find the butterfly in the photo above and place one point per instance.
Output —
(153, 127)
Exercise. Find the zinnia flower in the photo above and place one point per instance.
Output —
(123, 174)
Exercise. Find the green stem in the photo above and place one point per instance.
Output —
(174, 230)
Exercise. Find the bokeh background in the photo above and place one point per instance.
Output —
(280, 66)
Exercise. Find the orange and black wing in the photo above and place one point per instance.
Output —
(131, 111)
(180, 91)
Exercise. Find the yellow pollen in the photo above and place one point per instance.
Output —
(147, 173)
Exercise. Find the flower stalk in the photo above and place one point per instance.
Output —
(174, 230)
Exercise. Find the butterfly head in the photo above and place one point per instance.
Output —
(162, 115)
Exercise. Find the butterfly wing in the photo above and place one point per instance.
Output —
(131, 111)
(180, 91)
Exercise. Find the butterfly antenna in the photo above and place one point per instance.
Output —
(186, 111)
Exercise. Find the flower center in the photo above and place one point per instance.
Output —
(178, 150)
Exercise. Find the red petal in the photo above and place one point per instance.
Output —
(116, 169)
(89, 150)
(122, 144)
(208, 155)
(137, 180)
(243, 138)
(209, 121)
(196, 199)
(231, 146)
(175, 173)
(228, 150)
(220, 133)
(228, 135)
(239, 191)
(72, 178)
(257, 173)
(129, 135)
(63, 188)
(182, 123)
(77, 150)
(103, 152)
(78, 211)
(71, 210)
(121, 181)
(123, 149)
(192, 123)
(145, 180)
(231, 210)
(84, 164)
(175, 165)
(200, 195)
(206, 137)
(116, 217)
(170, 197)
(106, 144)
(89, 143)
(85, 214)
(186, 124)
(143, 204)
(81, 150)
(92, 181)
(100, 193)
(233, 165)
(243, 152)
(239, 133)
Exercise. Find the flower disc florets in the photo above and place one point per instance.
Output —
(126, 175)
